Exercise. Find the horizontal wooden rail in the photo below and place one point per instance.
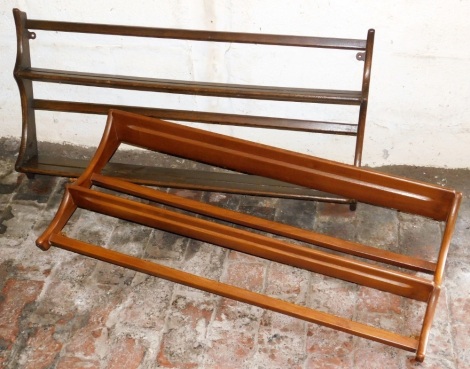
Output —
(294, 233)
(236, 293)
(250, 243)
(193, 88)
(197, 35)
(183, 178)
(203, 117)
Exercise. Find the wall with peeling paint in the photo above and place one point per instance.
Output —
(419, 112)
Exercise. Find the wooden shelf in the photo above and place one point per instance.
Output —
(181, 178)
(300, 125)
(342, 97)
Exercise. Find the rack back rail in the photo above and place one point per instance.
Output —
(31, 161)
(372, 269)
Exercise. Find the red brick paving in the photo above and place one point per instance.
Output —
(16, 295)
(59, 311)
(127, 353)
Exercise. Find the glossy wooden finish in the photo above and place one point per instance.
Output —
(300, 125)
(276, 164)
(31, 161)
(236, 293)
(196, 35)
(193, 88)
(332, 243)
(28, 146)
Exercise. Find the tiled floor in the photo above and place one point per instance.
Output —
(63, 311)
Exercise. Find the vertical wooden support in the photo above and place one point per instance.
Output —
(367, 56)
(438, 276)
(28, 146)
(361, 124)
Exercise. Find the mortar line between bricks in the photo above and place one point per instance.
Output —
(157, 348)
(98, 264)
(40, 206)
(59, 187)
(209, 328)
(164, 330)
(267, 267)
(256, 346)
(308, 296)
(399, 230)
(449, 320)
(452, 321)
(355, 312)
(217, 304)
(306, 326)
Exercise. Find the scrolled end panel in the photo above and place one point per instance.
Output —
(28, 145)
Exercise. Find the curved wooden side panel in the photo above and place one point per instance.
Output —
(106, 149)
(28, 145)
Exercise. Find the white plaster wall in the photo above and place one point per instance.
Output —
(419, 111)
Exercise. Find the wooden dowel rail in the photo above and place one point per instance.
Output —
(197, 35)
(300, 125)
(254, 244)
(294, 233)
(236, 293)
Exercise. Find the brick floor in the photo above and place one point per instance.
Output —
(59, 310)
